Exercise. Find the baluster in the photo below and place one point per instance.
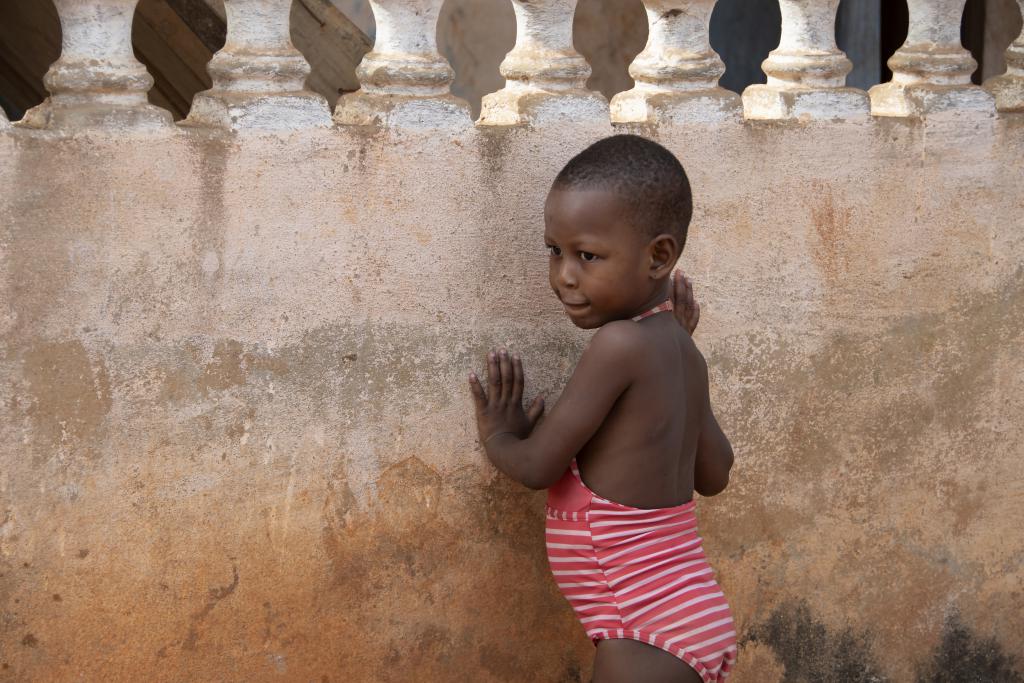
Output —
(259, 78)
(677, 73)
(96, 82)
(544, 75)
(931, 72)
(807, 71)
(1008, 89)
(404, 79)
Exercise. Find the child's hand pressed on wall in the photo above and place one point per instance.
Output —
(500, 409)
(685, 306)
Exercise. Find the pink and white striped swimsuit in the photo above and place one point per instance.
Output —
(639, 573)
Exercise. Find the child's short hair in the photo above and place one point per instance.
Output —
(643, 174)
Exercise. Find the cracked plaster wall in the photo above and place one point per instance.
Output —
(237, 445)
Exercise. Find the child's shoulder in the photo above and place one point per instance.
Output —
(620, 338)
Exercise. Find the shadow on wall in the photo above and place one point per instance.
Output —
(803, 649)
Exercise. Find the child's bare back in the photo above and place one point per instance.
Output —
(633, 434)
(644, 452)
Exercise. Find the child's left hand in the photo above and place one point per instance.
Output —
(685, 306)
(500, 409)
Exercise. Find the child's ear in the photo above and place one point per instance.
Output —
(664, 252)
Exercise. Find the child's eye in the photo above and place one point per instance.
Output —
(554, 251)
(587, 256)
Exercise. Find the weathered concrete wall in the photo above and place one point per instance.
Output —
(237, 444)
(236, 438)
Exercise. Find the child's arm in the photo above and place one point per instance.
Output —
(536, 455)
(714, 458)
(714, 452)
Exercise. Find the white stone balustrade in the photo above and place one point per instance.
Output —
(545, 77)
(931, 70)
(807, 71)
(677, 73)
(96, 82)
(258, 76)
(404, 79)
(1008, 89)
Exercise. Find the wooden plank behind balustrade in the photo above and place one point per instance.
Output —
(29, 43)
(205, 19)
(332, 45)
(174, 55)
(1002, 26)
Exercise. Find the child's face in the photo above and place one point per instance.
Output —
(600, 266)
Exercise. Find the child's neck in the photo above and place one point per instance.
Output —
(659, 295)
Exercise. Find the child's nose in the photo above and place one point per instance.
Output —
(566, 274)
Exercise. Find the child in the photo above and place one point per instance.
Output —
(633, 434)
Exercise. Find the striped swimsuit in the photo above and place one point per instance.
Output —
(639, 573)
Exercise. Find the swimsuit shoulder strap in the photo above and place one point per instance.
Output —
(665, 305)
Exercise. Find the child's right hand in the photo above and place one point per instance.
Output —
(684, 305)
(500, 409)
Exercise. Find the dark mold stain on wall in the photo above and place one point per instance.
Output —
(811, 652)
(963, 657)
